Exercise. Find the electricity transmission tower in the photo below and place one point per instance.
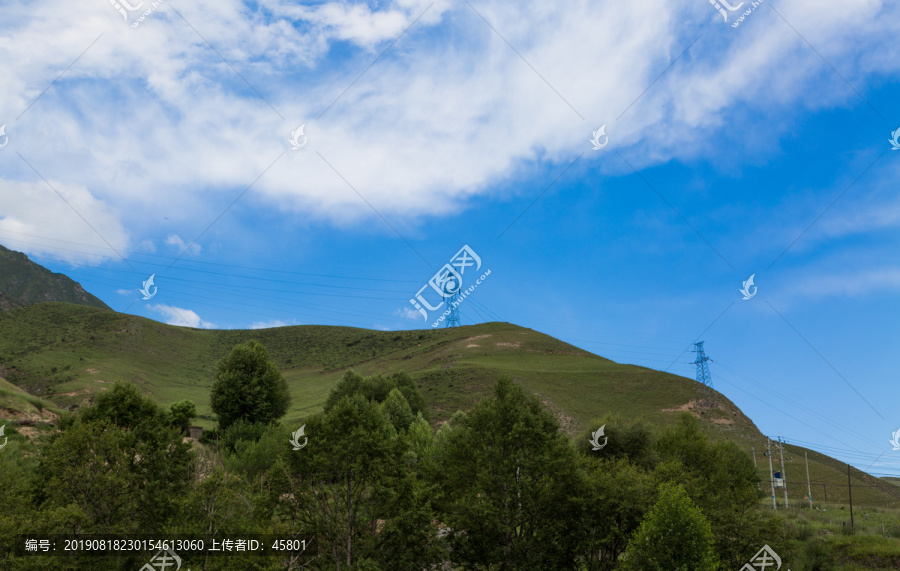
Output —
(453, 300)
(703, 375)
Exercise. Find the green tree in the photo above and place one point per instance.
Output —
(182, 412)
(505, 476)
(248, 386)
(377, 388)
(119, 463)
(351, 485)
(613, 498)
(720, 479)
(398, 410)
(123, 406)
(674, 536)
(629, 439)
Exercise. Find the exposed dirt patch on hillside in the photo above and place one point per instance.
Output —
(19, 416)
(72, 394)
(707, 409)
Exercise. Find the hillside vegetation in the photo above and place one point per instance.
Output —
(66, 354)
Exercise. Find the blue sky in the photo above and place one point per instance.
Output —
(163, 148)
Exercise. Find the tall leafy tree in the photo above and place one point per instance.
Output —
(377, 388)
(347, 471)
(398, 410)
(612, 500)
(506, 473)
(181, 414)
(352, 486)
(674, 536)
(248, 386)
(119, 463)
(721, 480)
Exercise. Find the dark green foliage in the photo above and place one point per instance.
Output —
(673, 536)
(252, 450)
(348, 471)
(505, 473)
(248, 386)
(631, 440)
(613, 498)
(118, 464)
(374, 484)
(398, 410)
(240, 431)
(720, 479)
(182, 412)
(376, 389)
(125, 407)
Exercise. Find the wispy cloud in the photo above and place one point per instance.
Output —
(182, 317)
(416, 135)
(409, 313)
(268, 324)
(175, 241)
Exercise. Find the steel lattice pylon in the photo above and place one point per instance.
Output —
(703, 375)
(453, 318)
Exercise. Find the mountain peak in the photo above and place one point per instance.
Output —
(24, 282)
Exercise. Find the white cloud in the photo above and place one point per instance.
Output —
(408, 313)
(851, 284)
(267, 324)
(181, 317)
(73, 224)
(179, 244)
(156, 125)
(126, 291)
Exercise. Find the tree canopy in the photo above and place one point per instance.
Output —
(248, 386)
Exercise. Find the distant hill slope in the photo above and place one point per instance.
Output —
(68, 353)
(23, 282)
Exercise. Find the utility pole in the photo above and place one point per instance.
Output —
(850, 489)
(754, 456)
(808, 488)
(771, 476)
(783, 475)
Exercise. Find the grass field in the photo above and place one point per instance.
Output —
(64, 354)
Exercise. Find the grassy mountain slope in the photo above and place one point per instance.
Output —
(18, 404)
(67, 353)
(23, 282)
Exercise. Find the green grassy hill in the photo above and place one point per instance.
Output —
(23, 282)
(65, 354)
